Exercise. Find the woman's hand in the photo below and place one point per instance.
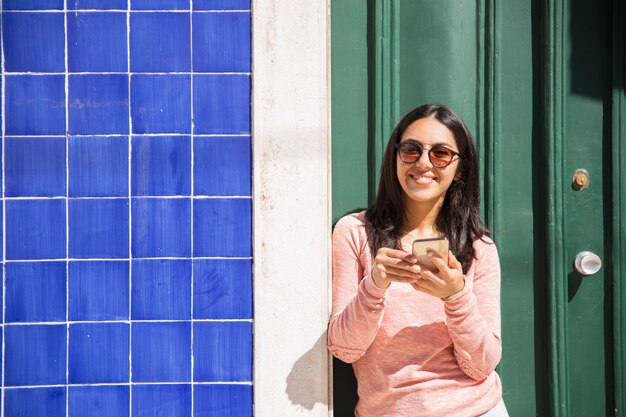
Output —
(446, 282)
(392, 265)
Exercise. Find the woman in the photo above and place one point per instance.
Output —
(423, 342)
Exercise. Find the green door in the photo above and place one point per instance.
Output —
(541, 86)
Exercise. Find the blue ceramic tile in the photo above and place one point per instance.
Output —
(221, 42)
(222, 289)
(35, 167)
(161, 165)
(35, 355)
(99, 352)
(221, 4)
(34, 402)
(222, 166)
(35, 105)
(160, 4)
(98, 228)
(161, 228)
(35, 292)
(159, 42)
(222, 351)
(222, 227)
(98, 290)
(35, 229)
(99, 401)
(98, 104)
(98, 166)
(33, 42)
(161, 290)
(32, 4)
(221, 104)
(161, 103)
(162, 352)
(96, 41)
(222, 401)
(97, 4)
(162, 400)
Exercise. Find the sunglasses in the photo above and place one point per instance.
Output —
(440, 156)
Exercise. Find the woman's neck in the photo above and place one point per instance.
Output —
(419, 218)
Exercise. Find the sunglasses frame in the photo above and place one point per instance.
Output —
(419, 145)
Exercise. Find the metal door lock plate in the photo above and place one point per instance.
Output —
(580, 181)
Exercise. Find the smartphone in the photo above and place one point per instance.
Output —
(420, 246)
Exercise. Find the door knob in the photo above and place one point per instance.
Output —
(580, 181)
(587, 263)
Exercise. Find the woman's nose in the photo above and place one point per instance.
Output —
(424, 159)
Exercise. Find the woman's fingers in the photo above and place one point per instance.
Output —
(393, 265)
(429, 276)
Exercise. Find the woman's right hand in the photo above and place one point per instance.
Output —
(392, 265)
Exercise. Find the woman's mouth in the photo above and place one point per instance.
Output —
(422, 179)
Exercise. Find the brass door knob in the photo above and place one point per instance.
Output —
(580, 181)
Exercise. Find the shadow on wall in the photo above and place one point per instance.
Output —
(303, 386)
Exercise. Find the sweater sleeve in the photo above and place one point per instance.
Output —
(358, 303)
(473, 318)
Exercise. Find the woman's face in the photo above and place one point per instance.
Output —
(421, 180)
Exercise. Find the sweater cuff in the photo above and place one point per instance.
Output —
(372, 289)
(461, 297)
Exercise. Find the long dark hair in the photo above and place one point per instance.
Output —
(459, 216)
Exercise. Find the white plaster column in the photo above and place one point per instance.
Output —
(292, 219)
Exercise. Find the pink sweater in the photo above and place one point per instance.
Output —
(414, 354)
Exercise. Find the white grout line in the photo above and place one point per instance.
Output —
(67, 214)
(53, 323)
(192, 198)
(4, 214)
(17, 74)
(136, 197)
(130, 214)
(170, 258)
(123, 384)
(125, 11)
(115, 135)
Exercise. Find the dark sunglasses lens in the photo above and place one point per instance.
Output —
(410, 152)
(440, 156)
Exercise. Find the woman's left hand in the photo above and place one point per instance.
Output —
(446, 282)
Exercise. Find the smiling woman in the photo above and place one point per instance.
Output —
(422, 342)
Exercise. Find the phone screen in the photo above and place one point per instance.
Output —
(420, 246)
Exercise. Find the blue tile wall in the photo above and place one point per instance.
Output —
(35, 292)
(35, 355)
(161, 352)
(97, 4)
(36, 168)
(98, 104)
(161, 165)
(35, 229)
(161, 290)
(126, 207)
(98, 290)
(34, 104)
(220, 166)
(223, 401)
(99, 401)
(98, 166)
(157, 400)
(32, 4)
(97, 42)
(98, 228)
(33, 42)
(35, 402)
(159, 42)
(98, 353)
(160, 103)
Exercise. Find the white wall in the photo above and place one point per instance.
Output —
(292, 220)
